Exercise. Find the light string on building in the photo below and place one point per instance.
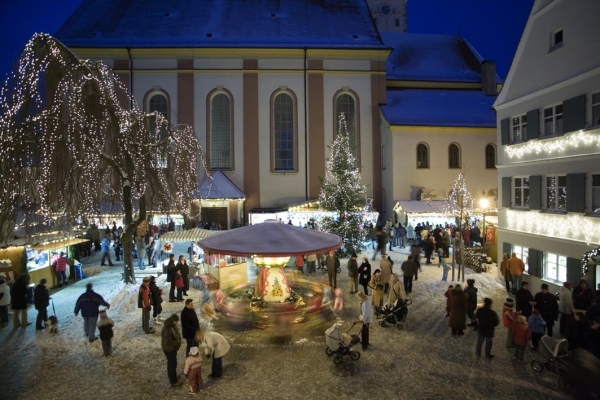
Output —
(557, 145)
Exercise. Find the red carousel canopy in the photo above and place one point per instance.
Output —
(271, 239)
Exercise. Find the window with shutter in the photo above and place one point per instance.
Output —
(506, 191)
(535, 192)
(574, 114)
(576, 191)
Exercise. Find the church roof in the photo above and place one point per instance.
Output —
(221, 23)
(423, 57)
(435, 107)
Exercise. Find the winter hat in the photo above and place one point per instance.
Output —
(146, 279)
(567, 284)
(522, 319)
(509, 302)
(362, 296)
(536, 312)
(193, 351)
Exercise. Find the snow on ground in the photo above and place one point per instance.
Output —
(423, 361)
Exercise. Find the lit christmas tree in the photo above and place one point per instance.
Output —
(68, 144)
(344, 195)
(460, 204)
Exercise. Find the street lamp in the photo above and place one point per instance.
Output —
(484, 203)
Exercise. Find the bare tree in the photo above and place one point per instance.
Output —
(68, 145)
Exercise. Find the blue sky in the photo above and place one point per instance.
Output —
(493, 27)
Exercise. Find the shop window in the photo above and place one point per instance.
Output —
(555, 268)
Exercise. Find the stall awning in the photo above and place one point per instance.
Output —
(422, 207)
(191, 235)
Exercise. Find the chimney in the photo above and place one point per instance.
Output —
(488, 78)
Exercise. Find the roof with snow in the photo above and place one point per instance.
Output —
(221, 23)
(219, 186)
(435, 107)
(421, 57)
(420, 207)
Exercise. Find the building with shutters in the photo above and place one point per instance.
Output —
(548, 115)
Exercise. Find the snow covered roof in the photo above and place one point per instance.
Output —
(221, 23)
(422, 57)
(220, 187)
(434, 107)
(419, 207)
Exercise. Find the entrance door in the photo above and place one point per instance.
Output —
(217, 215)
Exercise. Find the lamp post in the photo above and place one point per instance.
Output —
(484, 203)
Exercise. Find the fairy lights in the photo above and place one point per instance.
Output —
(460, 202)
(343, 194)
(550, 146)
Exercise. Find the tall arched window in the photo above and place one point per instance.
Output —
(345, 102)
(422, 156)
(490, 156)
(453, 156)
(284, 148)
(157, 100)
(221, 132)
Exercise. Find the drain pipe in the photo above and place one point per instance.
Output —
(305, 132)
(130, 78)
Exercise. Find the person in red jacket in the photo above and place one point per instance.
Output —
(509, 317)
(144, 302)
(521, 336)
(180, 285)
(60, 266)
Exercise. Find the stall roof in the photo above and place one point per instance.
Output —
(419, 207)
(219, 186)
(191, 235)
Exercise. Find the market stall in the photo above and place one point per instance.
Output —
(41, 256)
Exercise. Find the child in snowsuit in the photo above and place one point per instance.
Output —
(192, 370)
(537, 326)
(447, 295)
(105, 326)
(509, 317)
(521, 335)
(180, 285)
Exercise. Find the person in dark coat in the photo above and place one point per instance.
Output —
(171, 272)
(428, 247)
(189, 324)
(41, 301)
(548, 305)
(185, 274)
(333, 263)
(353, 273)
(89, 304)
(582, 295)
(364, 274)
(458, 310)
(524, 300)
(18, 301)
(488, 320)
(170, 344)
(157, 300)
(471, 292)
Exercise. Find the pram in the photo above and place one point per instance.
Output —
(394, 314)
(556, 353)
(340, 344)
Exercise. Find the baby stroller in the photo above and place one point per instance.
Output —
(556, 353)
(394, 314)
(340, 344)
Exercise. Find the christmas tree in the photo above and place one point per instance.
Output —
(343, 195)
(460, 204)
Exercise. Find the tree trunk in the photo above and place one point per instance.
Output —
(129, 234)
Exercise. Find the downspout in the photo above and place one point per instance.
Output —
(305, 132)
(130, 78)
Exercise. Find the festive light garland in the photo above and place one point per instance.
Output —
(549, 146)
(460, 202)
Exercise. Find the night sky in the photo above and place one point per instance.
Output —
(493, 27)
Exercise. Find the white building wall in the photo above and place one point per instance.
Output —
(144, 82)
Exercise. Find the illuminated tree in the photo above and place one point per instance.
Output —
(460, 204)
(68, 145)
(342, 194)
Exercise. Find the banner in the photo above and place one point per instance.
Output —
(490, 235)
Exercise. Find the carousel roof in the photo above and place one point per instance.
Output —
(271, 239)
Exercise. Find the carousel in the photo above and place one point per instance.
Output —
(277, 298)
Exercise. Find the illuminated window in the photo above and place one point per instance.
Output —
(521, 192)
(220, 132)
(555, 268)
(284, 132)
(158, 102)
(556, 192)
(422, 156)
(553, 120)
(518, 132)
(453, 156)
(346, 103)
(523, 254)
(490, 156)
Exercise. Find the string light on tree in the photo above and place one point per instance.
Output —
(460, 204)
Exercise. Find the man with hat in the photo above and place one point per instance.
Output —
(144, 302)
(353, 273)
(566, 308)
(548, 306)
(189, 324)
(509, 316)
(488, 320)
(332, 263)
(366, 317)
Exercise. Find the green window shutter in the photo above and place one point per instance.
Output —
(535, 192)
(506, 191)
(535, 262)
(533, 124)
(573, 270)
(574, 114)
(576, 193)
(507, 249)
(505, 131)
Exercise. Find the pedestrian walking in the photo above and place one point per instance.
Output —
(193, 370)
(171, 272)
(332, 263)
(215, 347)
(448, 300)
(105, 248)
(105, 326)
(364, 274)
(41, 301)
(386, 272)
(376, 285)
(18, 301)
(140, 249)
(170, 344)
(189, 324)
(488, 321)
(471, 292)
(145, 303)
(89, 304)
(409, 268)
(366, 317)
(458, 310)
(156, 296)
(547, 304)
(445, 267)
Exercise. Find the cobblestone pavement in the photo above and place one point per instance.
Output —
(423, 361)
